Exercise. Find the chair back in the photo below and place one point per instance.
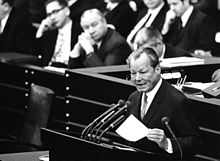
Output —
(40, 100)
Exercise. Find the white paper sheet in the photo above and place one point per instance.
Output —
(181, 61)
(132, 129)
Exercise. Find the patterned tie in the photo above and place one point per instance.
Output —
(144, 106)
(58, 48)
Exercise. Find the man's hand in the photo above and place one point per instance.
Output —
(170, 16)
(86, 42)
(202, 54)
(158, 136)
(216, 76)
(44, 26)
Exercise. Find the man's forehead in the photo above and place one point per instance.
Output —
(52, 5)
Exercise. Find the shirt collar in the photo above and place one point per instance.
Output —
(186, 15)
(71, 2)
(156, 10)
(152, 93)
(4, 21)
(66, 28)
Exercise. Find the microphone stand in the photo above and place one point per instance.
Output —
(112, 117)
(87, 128)
(115, 123)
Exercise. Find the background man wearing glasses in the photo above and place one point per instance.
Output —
(56, 35)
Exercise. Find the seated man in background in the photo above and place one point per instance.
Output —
(156, 99)
(149, 37)
(16, 32)
(188, 28)
(117, 13)
(98, 45)
(54, 38)
(153, 15)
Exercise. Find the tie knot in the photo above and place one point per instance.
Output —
(145, 96)
(179, 21)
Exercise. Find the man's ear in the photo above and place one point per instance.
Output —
(6, 5)
(67, 11)
(158, 69)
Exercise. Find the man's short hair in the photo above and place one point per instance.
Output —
(93, 11)
(151, 33)
(151, 54)
(10, 2)
(63, 3)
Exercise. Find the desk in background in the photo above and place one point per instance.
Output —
(83, 94)
(26, 156)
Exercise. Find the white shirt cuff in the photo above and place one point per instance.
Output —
(169, 147)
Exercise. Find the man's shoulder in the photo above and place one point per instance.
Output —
(114, 37)
(172, 92)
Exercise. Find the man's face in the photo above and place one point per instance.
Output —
(94, 25)
(143, 75)
(57, 14)
(178, 6)
(3, 9)
(152, 4)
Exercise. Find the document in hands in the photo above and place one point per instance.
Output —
(132, 129)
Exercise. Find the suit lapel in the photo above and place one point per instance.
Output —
(185, 28)
(155, 105)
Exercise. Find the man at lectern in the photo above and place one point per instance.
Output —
(166, 111)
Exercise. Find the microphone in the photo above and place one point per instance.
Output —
(165, 121)
(87, 128)
(101, 122)
(118, 113)
(111, 126)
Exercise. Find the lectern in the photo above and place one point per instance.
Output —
(64, 147)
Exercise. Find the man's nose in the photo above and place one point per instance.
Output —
(137, 76)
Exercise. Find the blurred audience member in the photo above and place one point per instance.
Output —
(117, 13)
(216, 76)
(34, 8)
(16, 33)
(98, 45)
(153, 15)
(54, 36)
(149, 37)
(188, 28)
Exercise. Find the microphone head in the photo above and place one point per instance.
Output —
(127, 103)
(121, 102)
(165, 120)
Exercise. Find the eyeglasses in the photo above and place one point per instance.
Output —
(54, 12)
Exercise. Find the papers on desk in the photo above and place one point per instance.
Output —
(195, 87)
(60, 70)
(132, 129)
(181, 61)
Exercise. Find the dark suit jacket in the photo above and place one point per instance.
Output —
(119, 17)
(171, 51)
(171, 103)
(199, 33)
(46, 44)
(159, 19)
(113, 51)
(18, 33)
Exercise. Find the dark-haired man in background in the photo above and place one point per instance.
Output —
(16, 32)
